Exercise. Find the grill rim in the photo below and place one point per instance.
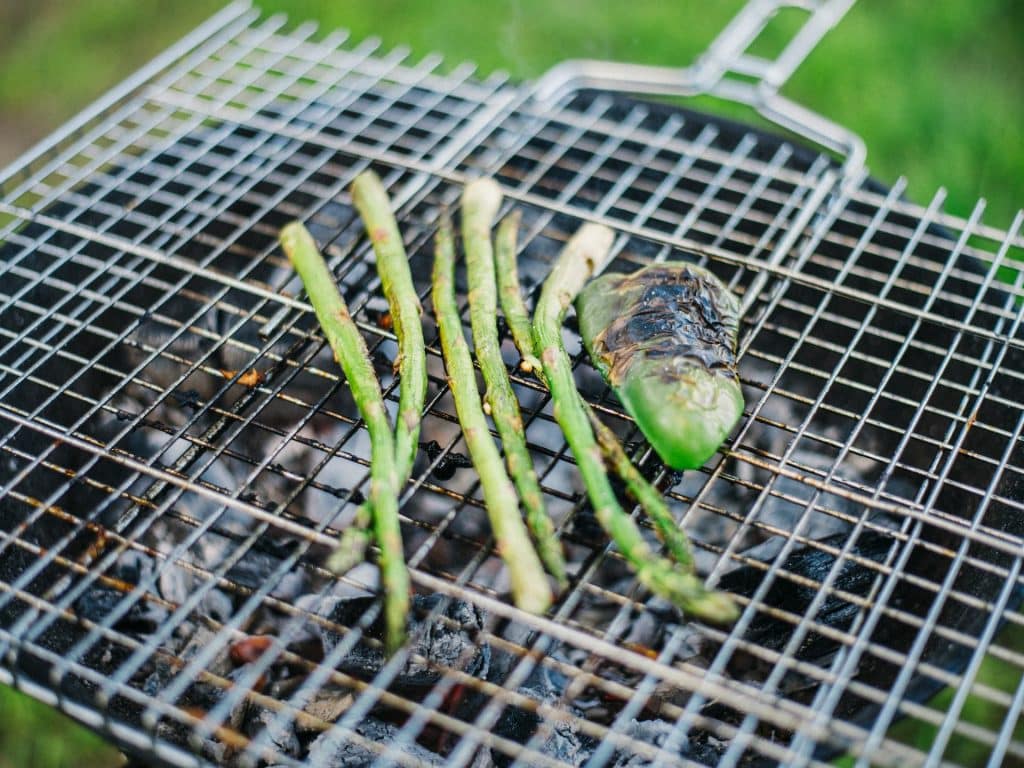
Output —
(992, 339)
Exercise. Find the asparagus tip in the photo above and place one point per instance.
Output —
(718, 607)
(594, 240)
(291, 235)
(484, 193)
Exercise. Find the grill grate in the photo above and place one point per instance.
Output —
(178, 449)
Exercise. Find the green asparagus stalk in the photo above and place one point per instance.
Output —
(374, 207)
(512, 304)
(653, 503)
(584, 252)
(353, 543)
(668, 531)
(480, 202)
(530, 588)
(372, 202)
(350, 350)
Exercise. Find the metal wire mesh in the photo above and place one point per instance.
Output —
(179, 450)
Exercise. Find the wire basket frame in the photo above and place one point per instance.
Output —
(164, 390)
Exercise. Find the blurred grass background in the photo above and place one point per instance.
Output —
(935, 89)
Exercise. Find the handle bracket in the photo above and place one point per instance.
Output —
(729, 71)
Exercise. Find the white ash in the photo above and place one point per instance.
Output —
(334, 749)
(278, 732)
(559, 739)
(443, 642)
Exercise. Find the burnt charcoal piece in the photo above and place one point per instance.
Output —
(282, 736)
(563, 740)
(99, 600)
(811, 563)
(584, 526)
(257, 565)
(442, 641)
(339, 751)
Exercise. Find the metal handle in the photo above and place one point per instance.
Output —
(729, 71)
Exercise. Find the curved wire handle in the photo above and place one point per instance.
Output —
(728, 71)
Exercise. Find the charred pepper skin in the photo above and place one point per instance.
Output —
(664, 338)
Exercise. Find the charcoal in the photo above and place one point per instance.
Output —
(281, 735)
(257, 565)
(653, 732)
(449, 463)
(814, 564)
(336, 750)
(563, 741)
(699, 747)
(361, 581)
(216, 605)
(200, 694)
(328, 704)
(175, 584)
(176, 732)
(441, 643)
(98, 601)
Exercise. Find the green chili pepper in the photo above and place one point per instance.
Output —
(664, 338)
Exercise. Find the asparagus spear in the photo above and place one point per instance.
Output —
(351, 353)
(480, 202)
(371, 200)
(577, 262)
(665, 526)
(353, 543)
(530, 588)
(512, 303)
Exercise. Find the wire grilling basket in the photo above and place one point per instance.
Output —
(178, 451)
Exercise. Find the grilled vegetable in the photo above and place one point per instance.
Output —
(665, 340)
(584, 252)
(350, 350)
(512, 304)
(393, 267)
(480, 202)
(530, 588)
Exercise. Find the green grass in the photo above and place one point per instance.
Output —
(32, 735)
(935, 89)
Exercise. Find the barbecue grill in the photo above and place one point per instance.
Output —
(178, 451)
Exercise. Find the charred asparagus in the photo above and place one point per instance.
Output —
(480, 202)
(530, 588)
(584, 252)
(351, 353)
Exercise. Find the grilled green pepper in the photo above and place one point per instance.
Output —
(664, 338)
